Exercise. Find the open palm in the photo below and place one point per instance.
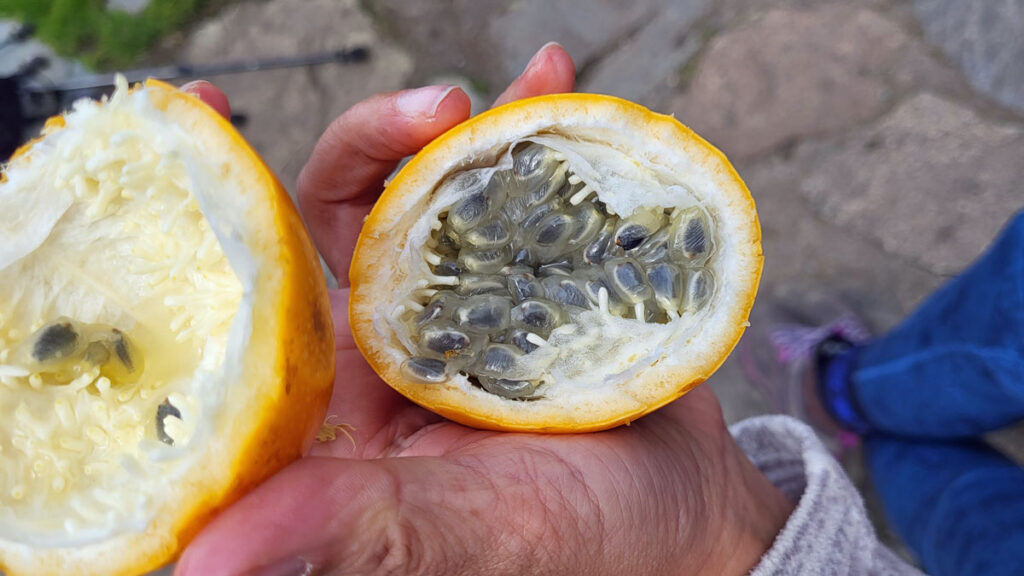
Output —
(413, 493)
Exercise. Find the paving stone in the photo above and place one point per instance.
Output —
(931, 181)
(645, 65)
(804, 252)
(986, 39)
(287, 110)
(792, 73)
(588, 29)
(491, 41)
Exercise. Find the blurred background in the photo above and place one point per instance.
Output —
(883, 140)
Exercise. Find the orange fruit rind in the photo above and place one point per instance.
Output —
(596, 370)
(166, 341)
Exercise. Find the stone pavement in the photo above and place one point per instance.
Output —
(883, 140)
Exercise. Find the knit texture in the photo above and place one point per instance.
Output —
(829, 532)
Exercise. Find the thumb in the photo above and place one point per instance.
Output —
(397, 516)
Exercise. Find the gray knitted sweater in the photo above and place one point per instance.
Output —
(829, 532)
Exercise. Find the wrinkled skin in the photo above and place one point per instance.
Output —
(414, 494)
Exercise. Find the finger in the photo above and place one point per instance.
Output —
(323, 515)
(209, 94)
(346, 171)
(371, 414)
(550, 71)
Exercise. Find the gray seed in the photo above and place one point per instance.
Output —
(533, 160)
(490, 234)
(485, 260)
(534, 217)
(638, 227)
(523, 257)
(628, 279)
(486, 313)
(473, 284)
(55, 341)
(700, 285)
(690, 240)
(538, 315)
(523, 285)
(445, 341)
(598, 250)
(448, 243)
(511, 389)
(667, 282)
(564, 291)
(447, 267)
(497, 359)
(587, 224)
(538, 173)
(474, 209)
(593, 280)
(426, 370)
(560, 268)
(654, 249)
(518, 338)
(550, 238)
(163, 411)
(440, 307)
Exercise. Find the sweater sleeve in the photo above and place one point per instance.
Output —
(829, 531)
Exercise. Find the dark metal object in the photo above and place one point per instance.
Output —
(25, 98)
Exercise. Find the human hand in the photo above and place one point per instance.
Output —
(413, 493)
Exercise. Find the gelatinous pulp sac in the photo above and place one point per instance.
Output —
(530, 248)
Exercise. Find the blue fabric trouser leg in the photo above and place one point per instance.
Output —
(954, 368)
(928, 389)
(958, 505)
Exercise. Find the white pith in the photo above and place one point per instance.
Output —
(113, 220)
(596, 351)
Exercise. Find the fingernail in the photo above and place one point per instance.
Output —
(193, 86)
(422, 101)
(289, 567)
(533, 61)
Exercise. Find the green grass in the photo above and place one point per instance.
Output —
(85, 30)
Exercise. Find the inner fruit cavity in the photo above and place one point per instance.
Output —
(523, 253)
(112, 328)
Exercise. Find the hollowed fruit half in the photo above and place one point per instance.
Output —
(563, 263)
(165, 336)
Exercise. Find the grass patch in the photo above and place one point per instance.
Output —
(101, 39)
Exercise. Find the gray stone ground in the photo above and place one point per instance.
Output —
(883, 140)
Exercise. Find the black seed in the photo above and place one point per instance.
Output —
(695, 238)
(539, 315)
(627, 278)
(518, 338)
(55, 341)
(163, 411)
(560, 268)
(630, 237)
(447, 267)
(427, 370)
(511, 389)
(484, 313)
(445, 342)
(121, 349)
(473, 284)
(497, 359)
(554, 230)
(564, 291)
(524, 285)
